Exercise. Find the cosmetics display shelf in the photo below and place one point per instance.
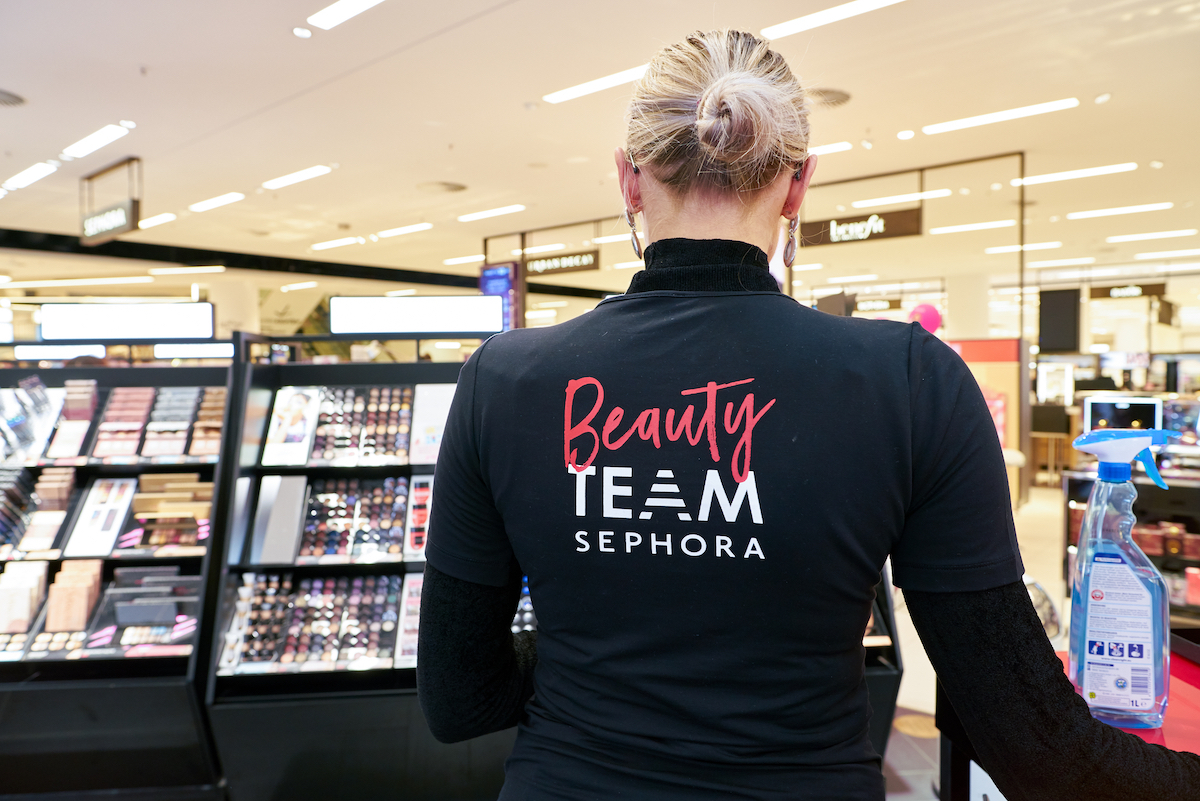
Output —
(111, 662)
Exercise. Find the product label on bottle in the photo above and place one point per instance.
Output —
(1119, 666)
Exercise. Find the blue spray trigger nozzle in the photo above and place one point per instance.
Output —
(1147, 460)
(1120, 446)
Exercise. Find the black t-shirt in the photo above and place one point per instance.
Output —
(702, 487)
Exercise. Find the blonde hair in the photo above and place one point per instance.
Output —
(718, 110)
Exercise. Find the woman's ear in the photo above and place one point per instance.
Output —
(799, 186)
(627, 174)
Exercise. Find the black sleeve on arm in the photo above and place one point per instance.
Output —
(473, 675)
(1034, 735)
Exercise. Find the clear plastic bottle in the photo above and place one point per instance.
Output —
(1119, 648)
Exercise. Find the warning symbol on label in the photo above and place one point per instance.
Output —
(1097, 595)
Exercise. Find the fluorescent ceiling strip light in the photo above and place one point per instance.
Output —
(93, 142)
(206, 350)
(829, 15)
(462, 260)
(1155, 235)
(801, 268)
(53, 282)
(1168, 254)
(1001, 116)
(1062, 262)
(483, 215)
(338, 243)
(598, 85)
(297, 177)
(157, 219)
(210, 268)
(36, 299)
(1175, 268)
(447, 345)
(216, 202)
(1090, 172)
(400, 293)
(983, 226)
(540, 249)
(836, 147)
(1084, 215)
(894, 199)
(405, 229)
(296, 286)
(853, 279)
(333, 15)
(30, 175)
(628, 265)
(604, 240)
(1019, 248)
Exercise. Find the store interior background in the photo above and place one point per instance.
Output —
(427, 112)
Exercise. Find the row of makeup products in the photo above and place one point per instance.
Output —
(357, 426)
(142, 610)
(155, 514)
(141, 421)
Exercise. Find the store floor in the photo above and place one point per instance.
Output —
(911, 761)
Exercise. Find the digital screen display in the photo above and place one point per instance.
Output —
(1118, 412)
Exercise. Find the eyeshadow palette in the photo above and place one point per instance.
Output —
(419, 503)
(101, 518)
(340, 426)
(282, 625)
(361, 519)
(170, 517)
(125, 417)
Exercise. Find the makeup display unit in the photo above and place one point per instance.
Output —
(320, 588)
(108, 496)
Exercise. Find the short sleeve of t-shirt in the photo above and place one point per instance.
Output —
(958, 532)
(466, 534)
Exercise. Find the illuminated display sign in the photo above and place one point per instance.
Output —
(859, 229)
(568, 263)
(107, 224)
(416, 315)
(1129, 291)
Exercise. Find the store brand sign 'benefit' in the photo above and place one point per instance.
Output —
(875, 226)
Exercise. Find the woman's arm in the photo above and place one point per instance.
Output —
(1033, 733)
(473, 674)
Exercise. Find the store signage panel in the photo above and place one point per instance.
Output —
(876, 305)
(500, 280)
(1129, 291)
(107, 224)
(98, 321)
(416, 315)
(859, 229)
(567, 263)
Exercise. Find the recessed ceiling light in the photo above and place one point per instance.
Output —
(30, 175)
(825, 17)
(1168, 254)
(302, 33)
(400, 293)
(867, 144)
(853, 279)
(906, 135)
(463, 260)
(1084, 215)
(894, 199)
(297, 286)
(208, 268)
(1104, 98)
(338, 243)
(217, 202)
(404, 229)
(1156, 165)
(964, 191)
(1068, 175)
(598, 85)
(797, 282)
(1062, 262)
(157, 219)
(53, 282)
(604, 240)
(836, 147)
(982, 226)
(297, 177)
(1155, 235)
(333, 15)
(540, 249)
(1001, 116)
(93, 142)
(483, 215)
(1019, 248)
(628, 265)
(802, 268)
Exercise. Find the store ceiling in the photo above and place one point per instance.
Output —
(409, 94)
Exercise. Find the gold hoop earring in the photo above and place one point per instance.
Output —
(789, 251)
(633, 234)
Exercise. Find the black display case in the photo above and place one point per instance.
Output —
(336, 727)
(108, 717)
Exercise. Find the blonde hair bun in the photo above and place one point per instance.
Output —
(718, 110)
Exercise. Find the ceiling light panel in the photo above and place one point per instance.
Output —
(853, 279)
(405, 229)
(1062, 262)
(483, 215)
(297, 177)
(157, 219)
(980, 226)
(800, 268)
(216, 202)
(1168, 254)
(598, 85)
(1154, 235)
(205, 268)
(1001, 116)
(836, 147)
(1090, 172)
(339, 243)
(462, 260)
(54, 282)
(540, 249)
(894, 199)
(604, 240)
(30, 175)
(298, 286)
(1085, 215)
(93, 142)
(829, 15)
(1019, 248)
(333, 15)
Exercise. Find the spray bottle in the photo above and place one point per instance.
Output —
(1120, 648)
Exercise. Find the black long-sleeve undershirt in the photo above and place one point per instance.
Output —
(1032, 732)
